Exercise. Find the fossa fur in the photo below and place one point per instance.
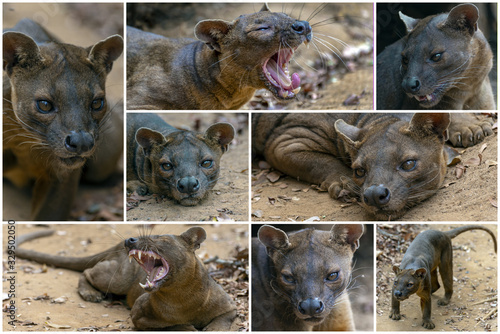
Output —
(56, 122)
(417, 273)
(182, 165)
(222, 70)
(300, 280)
(396, 160)
(442, 63)
(166, 285)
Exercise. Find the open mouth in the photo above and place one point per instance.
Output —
(430, 100)
(153, 264)
(278, 76)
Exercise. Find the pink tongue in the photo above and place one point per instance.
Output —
(295, 81)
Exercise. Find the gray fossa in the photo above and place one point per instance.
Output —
(221, 70)
(442, 63)
(56, 118)
(158, 284)
(182, 165)
(300, 280)
(417, 273)
(395, 160)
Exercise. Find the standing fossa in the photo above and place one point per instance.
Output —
(167, 286)
(300, 280)
(222, 70)
(442, 63)
(56, 122)
(417, 273)
(396, 160)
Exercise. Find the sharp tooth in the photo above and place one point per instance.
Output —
(139, 254)
(142, 285)
(130, 258)
(284, 93)
(296, 90)
(429, 97)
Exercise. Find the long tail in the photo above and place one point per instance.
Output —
(459, 230)
(73, 263)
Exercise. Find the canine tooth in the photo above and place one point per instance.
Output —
(429, 97)
(142, 285)
(296, 90)
(130, 258)
(139, 254)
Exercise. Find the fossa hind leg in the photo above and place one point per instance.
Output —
(446, 271)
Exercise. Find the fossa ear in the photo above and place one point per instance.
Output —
(463, 17)
(147, 138)
(107, 51)
(212, 32)
(409, 22)
(425, 124)
(222, 133)
(347, 234)
(350, 134)
(19, 50)
(194, 236)
(273, 238)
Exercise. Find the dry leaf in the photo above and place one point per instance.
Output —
(273, 176)
(257, 213)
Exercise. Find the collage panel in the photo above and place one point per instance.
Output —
(451, 268)
(187, 166)
(63, 111)
(295, 56)
(437, 56)
(312, 277)
(135, 277)
(319, 167)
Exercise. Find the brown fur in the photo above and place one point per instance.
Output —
(300, 280)
(221, 70)
(417, 273)
(183, 165)
(55, 117)
(443, 56)
(165, 303)
(397, 160)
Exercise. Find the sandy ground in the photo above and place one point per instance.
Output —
(475, 270)
(473, 197)
(38, 287)
(336, 26)
(228, 199)
(83, 25)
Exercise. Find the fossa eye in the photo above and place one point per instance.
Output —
(332, 277)
(436, 57)
(359, 172)
(44, 106)
(409, 165)
(97, 104)
(207, 164)
(288, 278)
(167, 166)
(404, 60)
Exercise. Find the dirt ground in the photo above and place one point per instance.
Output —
(329, 80)
(83, 25)
(47, 298)
(228, 200)
(473, 197)
(475, 270)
